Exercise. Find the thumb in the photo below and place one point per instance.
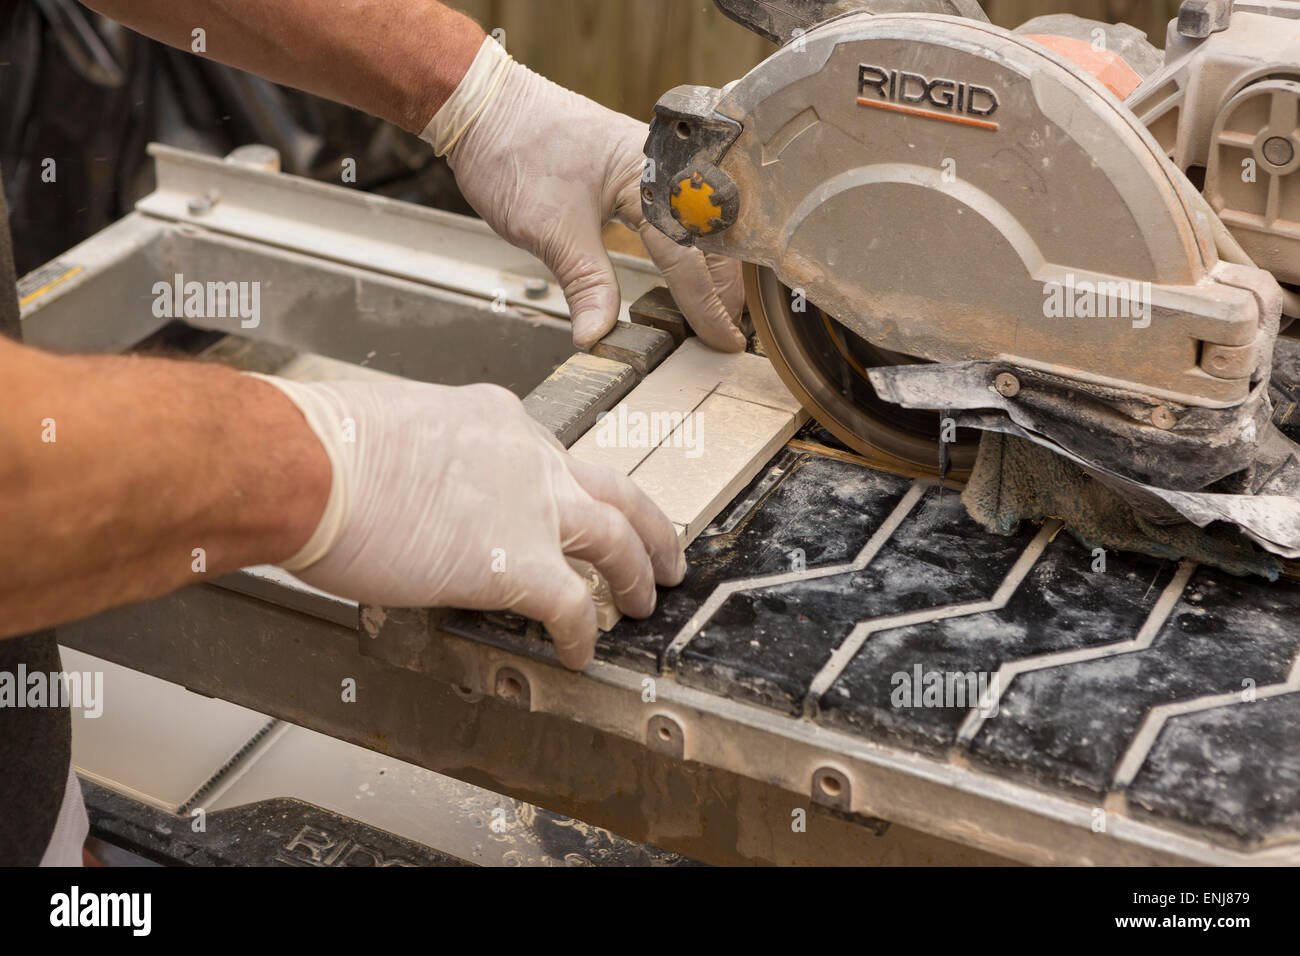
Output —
(710, 292)
(590, 286)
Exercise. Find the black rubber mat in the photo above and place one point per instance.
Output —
(966, 675)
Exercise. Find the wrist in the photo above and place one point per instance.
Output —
(478, 88)
(458, 39)
(313, 503)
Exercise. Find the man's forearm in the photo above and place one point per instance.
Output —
(396, 59)
(124, 478)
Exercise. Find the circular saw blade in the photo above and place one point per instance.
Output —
(824, 365)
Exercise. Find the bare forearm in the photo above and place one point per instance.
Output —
(396, 59)
(124, 478)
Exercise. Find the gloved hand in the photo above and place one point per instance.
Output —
(546, 169)
(455, 497)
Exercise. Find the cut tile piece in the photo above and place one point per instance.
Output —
(153, 738)
(748, 415)
(678, 386)
(742, 375)
(718, 450)
(694, 475)
(629, 433)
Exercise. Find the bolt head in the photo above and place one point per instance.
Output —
(1279, 150)
(1007, 385)
(1163, 418)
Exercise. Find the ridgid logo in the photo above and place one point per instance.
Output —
(954, 101)
(179, 299)
(131, 910)
(83, 690)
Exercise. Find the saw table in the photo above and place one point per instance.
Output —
(851, 665)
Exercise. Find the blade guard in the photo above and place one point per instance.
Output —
(948, 190)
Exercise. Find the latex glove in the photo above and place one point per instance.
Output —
(455, 497)
(547, 168)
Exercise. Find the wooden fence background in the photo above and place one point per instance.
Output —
(626, 53)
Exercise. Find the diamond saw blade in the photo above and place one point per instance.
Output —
(824, 365)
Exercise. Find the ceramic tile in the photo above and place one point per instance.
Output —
(730, 440)
(153, 737)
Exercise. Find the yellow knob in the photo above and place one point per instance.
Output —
(694, 206)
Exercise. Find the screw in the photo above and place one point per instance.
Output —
(536, 288)
(201, 204)
(1163, 418)
(1008, 385)
(1279, 151)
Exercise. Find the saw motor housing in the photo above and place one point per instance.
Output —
(983, 213)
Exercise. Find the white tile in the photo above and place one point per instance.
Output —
(734, 374)
(617, 440)
(748, 413)
(677, 387)
(731, 441)
(154, 738)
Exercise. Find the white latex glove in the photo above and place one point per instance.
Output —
(455, 497)
(547, 169)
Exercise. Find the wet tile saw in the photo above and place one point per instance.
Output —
(1055, 233)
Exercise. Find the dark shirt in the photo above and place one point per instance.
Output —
(35, 742)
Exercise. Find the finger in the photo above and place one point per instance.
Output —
(689, 279)
(561, 600)
(590, 287)
(729, 281)
(658, 535)
(599, 533)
